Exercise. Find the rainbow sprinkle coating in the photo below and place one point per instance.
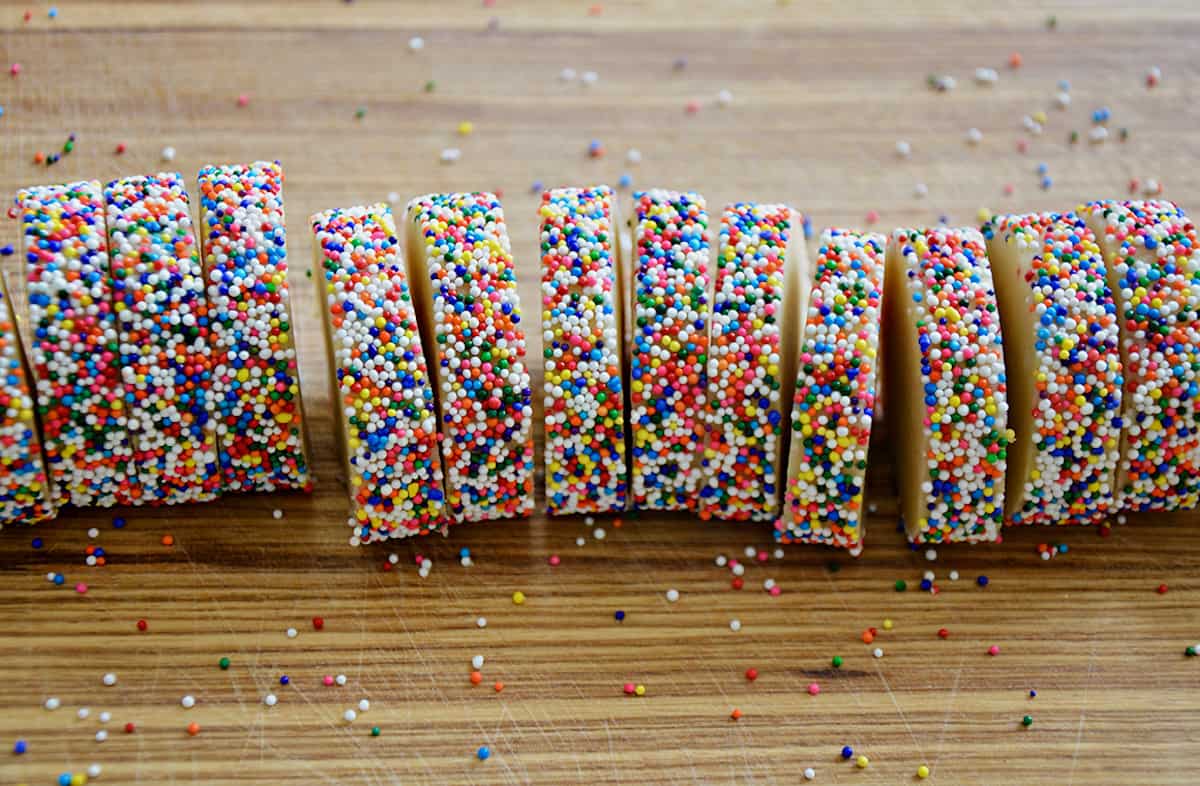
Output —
(166, 358)
(386, 418)
(1077, 372)
(947, 294)
(24, 487)
(581, 324)
(461, 265)
(1154, 270)
(749, 363)
(669, 367)
(75, 352)
(834, 403)
(255, 381)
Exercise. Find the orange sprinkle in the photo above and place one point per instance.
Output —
(499, 686)
(193, 728)
(735, 714)
(168, 540)
(476, 678)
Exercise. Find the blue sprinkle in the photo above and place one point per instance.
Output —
(625, 181)
(7, 250)
(483, 753)
(37, 543)
(118, 523)
(284, 680)
(982, 581)
(19, 747)
(847, 752)
(619, 616)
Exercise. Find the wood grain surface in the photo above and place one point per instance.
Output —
(821, 93)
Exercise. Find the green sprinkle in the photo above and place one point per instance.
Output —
(223, 663)
(837, 661)
(360, 113)
(375, 731)
(1027, 721)
(901, 585)
(430, 85)
(833, 567)
(1191, 652)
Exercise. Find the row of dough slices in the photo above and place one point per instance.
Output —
(161, 356)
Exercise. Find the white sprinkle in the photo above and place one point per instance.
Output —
(1150, 188)
(672, 595)
(929, 575)
(481, 622)
(931, 555)
(738, 569)
(1121, 519)
(1045, 556)
(954, 575)
(51, 703)
(393, 558)
(82, 713)
(1098, 134)
(101, 735)
(1155, 73)
(110, 679)
(188, 702)
(105, 717)
(598, 533)
(450, 155)
(750, 552)
(974, 136)
(1031, 125)
(277, 513)
(778, 553)
(364, 705)
(877, 652)
(920, 190)
(50, 576)
(945, 83)
(903, 149)
(589, 78)
(724, 98)
(349, 716)
(872, 507)
(477, 662)
(94, 770)
(393, 197)
(768, 584)
(721, 561)
(91, 561)
(735, 625)
(567, 75)
(416, 44)
(809, 773)
(340, 679)
(1062, 99)
(168, 153)
(634, 156)
(291, 633)
(986, 76)
(465, 562)
(93, 533)
(579, 541)
(270, 700)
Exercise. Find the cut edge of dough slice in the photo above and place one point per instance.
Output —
(866, 250)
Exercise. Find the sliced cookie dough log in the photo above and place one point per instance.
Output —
(669, 364)
(25, 489)
(1154, 271)
(74, 348)
(761, 283)
(1063, 368)
(834, 403)
(385, 420)
(165, 335)
(464, 283)
(582, 336)
(946, 388)
(255, 383)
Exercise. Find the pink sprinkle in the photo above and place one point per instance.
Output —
(994, 649)
(775, 591)
(327, 679)
(872, 216)
(1008, 189)
(692, 107)
(1022, 145)
(813, 689)
(243, 100)
(762, 556)
(14, 69)
(81, 588)
(554, 560)
(630, 688)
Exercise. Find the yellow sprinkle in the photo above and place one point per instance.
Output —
(465, 128)
(640, 690)
(518, 597)
(862, 762)
(887, 624)
(922, 772)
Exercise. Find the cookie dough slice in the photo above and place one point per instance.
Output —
(464, 281)
(1063, 368)
(164, 329)
(946, 386)
(582, 324)
(761, 286)
(835, 397)
(1154, 271)
(74, 348)
(255, 382)
(669, 366)
(385, 419)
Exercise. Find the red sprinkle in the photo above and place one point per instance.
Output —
(120, 148)
(318, 623)
(752, 674)
(737, 582)
(943, 633)
(129, 728)
(142, 625)
(1162, 589)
